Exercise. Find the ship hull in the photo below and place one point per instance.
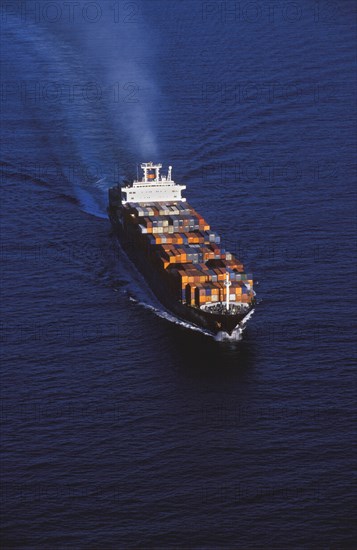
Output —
(212, 322)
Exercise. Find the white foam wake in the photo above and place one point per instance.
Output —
(171, 318)
(236, 336)
(95, 201)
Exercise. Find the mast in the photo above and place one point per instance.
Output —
(227, 284)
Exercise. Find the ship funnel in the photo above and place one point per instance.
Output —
(151, 171)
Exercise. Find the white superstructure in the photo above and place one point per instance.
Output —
(153, 187)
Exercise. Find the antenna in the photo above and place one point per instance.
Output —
(137, 172)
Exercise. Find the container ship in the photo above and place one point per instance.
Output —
(179, 255)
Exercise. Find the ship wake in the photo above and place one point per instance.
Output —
(171, 318)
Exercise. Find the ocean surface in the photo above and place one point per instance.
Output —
(121, 428)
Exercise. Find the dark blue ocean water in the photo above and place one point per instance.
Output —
(122, 429)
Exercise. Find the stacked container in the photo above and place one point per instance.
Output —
(181, 244)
